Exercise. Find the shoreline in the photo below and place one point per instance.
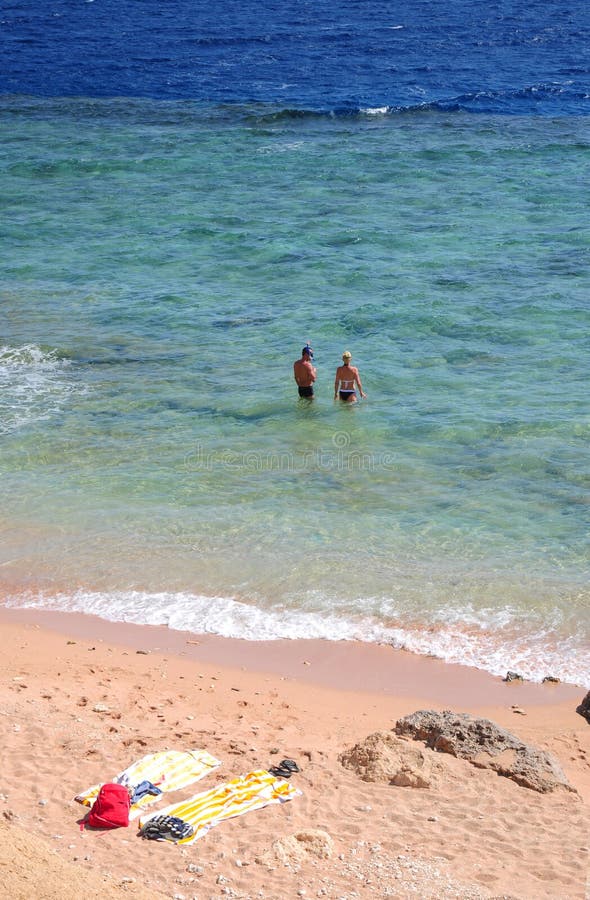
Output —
(83, 698)
(464, 646)
(338, 665)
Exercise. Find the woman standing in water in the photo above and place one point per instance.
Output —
(347, 377)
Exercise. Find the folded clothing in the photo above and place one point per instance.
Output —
(166, 828)
(144, 789)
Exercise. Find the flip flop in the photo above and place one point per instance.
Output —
(285, 769)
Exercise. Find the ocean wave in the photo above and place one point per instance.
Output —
(567, 97)
(492, 640)
(375, 111)
(545, 98)
(537, 99)
(34, 384)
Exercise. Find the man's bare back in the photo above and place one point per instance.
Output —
(304, 373)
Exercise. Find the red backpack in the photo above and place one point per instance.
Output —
(111, 807)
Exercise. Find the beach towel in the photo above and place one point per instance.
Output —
(169, 770)
(234, 798)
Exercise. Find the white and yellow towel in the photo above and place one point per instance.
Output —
(236, 797)
(169, 770)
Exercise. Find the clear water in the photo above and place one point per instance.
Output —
(164, 261)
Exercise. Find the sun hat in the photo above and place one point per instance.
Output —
(347, 355)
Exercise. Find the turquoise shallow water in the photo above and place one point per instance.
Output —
(164, 263)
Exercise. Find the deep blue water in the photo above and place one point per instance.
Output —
(506, 57)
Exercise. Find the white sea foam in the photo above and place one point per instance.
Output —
(375, 110)
(285, 147)
(33, 385)
(474, 639)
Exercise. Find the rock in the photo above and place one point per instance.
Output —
(551, 679)
(384, 757)
(584, 708)
(513, 676)
(298, 847)
(487, 746)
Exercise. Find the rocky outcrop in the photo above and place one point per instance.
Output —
(584, 708)
(485, 745)
(297, 848)
(386, 758)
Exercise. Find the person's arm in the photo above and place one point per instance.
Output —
(357, 378)
(312, 371)
(336, 383)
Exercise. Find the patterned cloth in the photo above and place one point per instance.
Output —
(166, 828)
(236, 797)
(169, 770)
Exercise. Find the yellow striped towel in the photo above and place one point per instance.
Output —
(169, 770)
(234, 798)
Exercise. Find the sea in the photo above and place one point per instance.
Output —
(189, 194)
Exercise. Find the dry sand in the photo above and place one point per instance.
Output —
(472, 834)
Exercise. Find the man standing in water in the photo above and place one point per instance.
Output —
(347, 377)
(305, 373)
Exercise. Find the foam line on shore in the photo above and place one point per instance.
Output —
(341, 665)
(492, 640)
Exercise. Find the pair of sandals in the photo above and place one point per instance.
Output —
(166, 828)
(285, 769)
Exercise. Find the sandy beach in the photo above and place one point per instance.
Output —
(82, 699)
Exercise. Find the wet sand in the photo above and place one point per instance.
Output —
(83, 698)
